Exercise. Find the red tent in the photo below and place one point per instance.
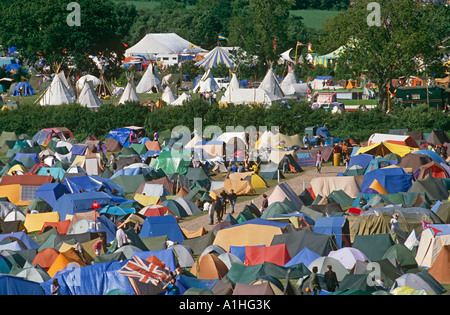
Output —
(276, 254)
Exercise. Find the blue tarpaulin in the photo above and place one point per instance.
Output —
(51, 192)
(122, 135)
(11, 285)
(167, 256)
(79, 202)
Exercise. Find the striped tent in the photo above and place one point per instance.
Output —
(216, 56)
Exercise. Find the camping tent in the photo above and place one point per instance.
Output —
(207, 83)
(129, 94)
(271, 85)
(150, 82)
(216, 57)
(57, 93)
(88, 97)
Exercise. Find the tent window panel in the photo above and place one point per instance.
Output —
(28, 192)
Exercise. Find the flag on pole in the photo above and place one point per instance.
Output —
(221, 37)
(300, 44)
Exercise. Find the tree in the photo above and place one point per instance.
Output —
(259, 27)
(404, 42)
(43, 29)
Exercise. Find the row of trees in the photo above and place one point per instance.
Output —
(291, 119)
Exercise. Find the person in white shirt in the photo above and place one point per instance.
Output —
(122, 238)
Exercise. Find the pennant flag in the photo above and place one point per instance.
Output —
(95, 205)
(221, 37)
(300, 44)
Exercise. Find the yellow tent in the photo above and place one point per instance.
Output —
(146, 200)
(384, 148)
(16, 168)
(246, 235)
(255, 180)
(240, 187)
(378, 187)
(35, 222)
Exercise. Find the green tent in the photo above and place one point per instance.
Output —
(198, 178)
(278, 207)
(340, 197)
(433, 187)
(40, 205)
(403, 255)
(139, 148)
(374, 246)
(172, 162)
(130, 182)
(175, 207)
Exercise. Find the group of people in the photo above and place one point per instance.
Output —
(218, 205)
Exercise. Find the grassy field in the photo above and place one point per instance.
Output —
(314, 18)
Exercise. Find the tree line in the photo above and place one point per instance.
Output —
(291, 118)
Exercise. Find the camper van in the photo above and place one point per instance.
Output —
(223, 83)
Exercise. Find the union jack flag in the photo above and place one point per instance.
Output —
(144, 271)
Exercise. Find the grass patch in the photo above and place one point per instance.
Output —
(314, 18)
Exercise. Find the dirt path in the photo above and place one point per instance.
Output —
(298, 184)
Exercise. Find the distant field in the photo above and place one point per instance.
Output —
(314, 18)
(140, 4)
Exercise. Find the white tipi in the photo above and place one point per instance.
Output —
(168, 97)
(129, 94)
(57, 93)
(88, 97)
(271, 85)
(207, 83)
(149, 83)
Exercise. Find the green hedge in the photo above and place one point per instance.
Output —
(291, 118)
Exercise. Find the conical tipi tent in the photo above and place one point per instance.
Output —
(271, 85)
(168, 97)
(150, 83)
(181, 99)
(57, 93)
(86, 78)
(207, 84)
(233, 86)
(129, 94)
(291, 86)
(88, 97)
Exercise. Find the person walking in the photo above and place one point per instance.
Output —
(55, 288)
(232, 198)
(330, 279)
(314, 284)
(265, 204)
(319, 160)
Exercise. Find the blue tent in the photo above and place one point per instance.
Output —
(376, 163)
(331, 226)
(184, 283)
(323, 131)
(26, 88)
(80, 202)
(23, 239)
(392, 179)
(92, 183)
(13, 67)
(239, 251)
(162, 225)
(51, 192)
(433, 155)
(11, 285)
(305, 256)
(122, 135)
(167, 256)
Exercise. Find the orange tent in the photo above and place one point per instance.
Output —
(68, 257)
(62, 226)
(45, 258)
(209, 266)
(276, 254)
(441, 266)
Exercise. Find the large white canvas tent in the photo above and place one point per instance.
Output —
(129, 94)
(207, 84)
(149, 83)
(88, 97)
(162, 45)
(57, 93)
